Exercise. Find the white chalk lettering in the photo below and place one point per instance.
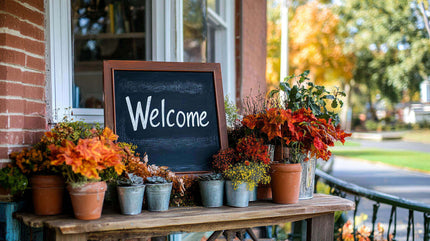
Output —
(158, 118)
(202, 117)
(192, 115)
(168, 116)
(154, 114)
(139, 113)
(183, 118)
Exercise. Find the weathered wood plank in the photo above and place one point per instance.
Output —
(195, 219)
(320, 228)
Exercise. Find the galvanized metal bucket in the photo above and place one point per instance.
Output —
(238, 197)
(131, 199)
(253, 194)
(158, 196)
(307, 182)
(212, 193)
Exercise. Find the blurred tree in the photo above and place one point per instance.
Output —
(314, 45)
(274, 29)
(273, 60)
(390, 45)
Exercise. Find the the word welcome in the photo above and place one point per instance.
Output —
(181, 119)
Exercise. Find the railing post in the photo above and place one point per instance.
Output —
(411, 223)
(392, 215)
(354, 229)
(374, 216)
(426, 226)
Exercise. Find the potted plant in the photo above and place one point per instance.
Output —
(13, 182)
(298, 135)
(158, 191)
(82, 160)
(130, 193)
(47, 184)
(242, 177)
(212, 189)
(323, 103)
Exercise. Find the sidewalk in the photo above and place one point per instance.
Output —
(399, 182)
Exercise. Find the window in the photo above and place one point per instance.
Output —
(82, 33)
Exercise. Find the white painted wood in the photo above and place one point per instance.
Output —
(284, 39)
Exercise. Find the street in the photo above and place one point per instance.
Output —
(395, 181)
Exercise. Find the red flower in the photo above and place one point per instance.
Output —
(247, 163)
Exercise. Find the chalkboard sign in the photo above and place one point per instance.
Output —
(172, 111)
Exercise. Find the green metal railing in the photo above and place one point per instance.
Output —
(341, 188)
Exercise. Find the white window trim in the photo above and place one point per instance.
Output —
(224, 44)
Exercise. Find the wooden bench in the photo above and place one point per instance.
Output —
(319, 212)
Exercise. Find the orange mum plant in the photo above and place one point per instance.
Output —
(83, 161)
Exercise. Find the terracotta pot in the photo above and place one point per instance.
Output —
(47, 194)
(286, 182)
(264, 192)
(87, 200)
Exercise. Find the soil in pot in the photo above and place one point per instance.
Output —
(87, 200)
(285, 183)
(47, 194)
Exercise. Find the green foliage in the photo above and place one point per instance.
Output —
(231, 113)
(390, 45)
(311, 96)
(12, 179)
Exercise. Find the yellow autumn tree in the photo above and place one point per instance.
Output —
(273, 60)
(313, 45)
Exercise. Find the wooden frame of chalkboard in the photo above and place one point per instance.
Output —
(131, 88)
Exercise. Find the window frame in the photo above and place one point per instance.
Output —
(166, 43)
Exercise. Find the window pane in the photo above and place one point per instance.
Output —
(103, 30)
(194, 30)
(214, 5)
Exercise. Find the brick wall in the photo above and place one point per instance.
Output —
(22, 74)
(251, 49)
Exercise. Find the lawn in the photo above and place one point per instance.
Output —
(408, 159)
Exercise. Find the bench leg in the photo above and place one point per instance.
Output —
(320, 228)
(53, 235)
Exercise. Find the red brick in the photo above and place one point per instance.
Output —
(29, 45)
(24, 28)
(253, 48)
(12, 106)
(39, 4)
(34, 78)
(32, 137)
(15, 74)
(5, 151)
(34, 108)
(12, 57)
(35, 93)
(35, 63)
(12, 137)
(11, 122)
(11, 89)
(34, 122)
(23, 12)
(4, 164)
